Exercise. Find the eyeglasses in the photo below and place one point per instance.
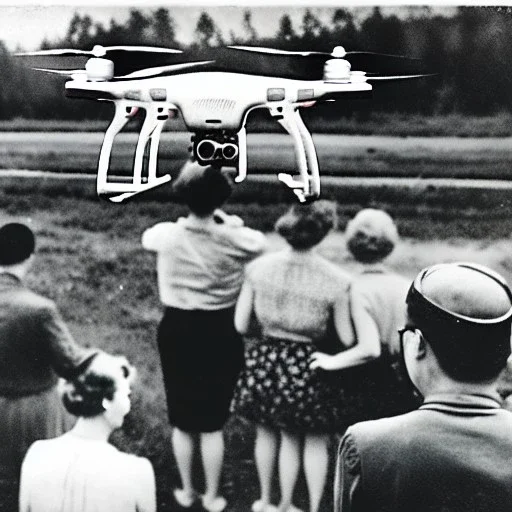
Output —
(403, 330)
(402, 367)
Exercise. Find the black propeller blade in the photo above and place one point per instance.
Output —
(370, 62)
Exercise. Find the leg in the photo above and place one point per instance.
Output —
(264, 456)
(183, 446)
(316, 460)
(212, 452)
(289, 465)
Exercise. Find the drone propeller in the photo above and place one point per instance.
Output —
(126, 59)
(381, 63)
(63, 72)
(162, 70)
(97, 51)
(143, 73)
(275, 51)
(397, 77)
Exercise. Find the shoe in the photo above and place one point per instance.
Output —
(217, 505)
(184, 500)
(258, 506)
(291, 508)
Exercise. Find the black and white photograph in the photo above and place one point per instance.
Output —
(255, 256)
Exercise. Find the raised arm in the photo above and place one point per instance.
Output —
(367, 346)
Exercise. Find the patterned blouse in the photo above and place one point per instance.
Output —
(295, 293)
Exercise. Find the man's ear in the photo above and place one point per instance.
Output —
(421, 348)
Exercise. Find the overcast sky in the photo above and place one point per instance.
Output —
(24, 25)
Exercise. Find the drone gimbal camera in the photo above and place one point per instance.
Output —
(215, 92)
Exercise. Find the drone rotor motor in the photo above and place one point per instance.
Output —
(99, 69)
(337, 70)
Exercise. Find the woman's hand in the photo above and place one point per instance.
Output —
(323, 361)
(222, 217)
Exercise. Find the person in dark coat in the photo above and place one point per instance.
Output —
(453, 453)
(36, 347)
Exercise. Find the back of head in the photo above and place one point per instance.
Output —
(98, 380)
(203, 189)
(305, 225)
(371, 235)
(17, 243)
(464, 311)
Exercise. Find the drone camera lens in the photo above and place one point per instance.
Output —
(205, 150)
(229, 151)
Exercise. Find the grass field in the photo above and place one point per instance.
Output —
(319, 119)
(91, 263)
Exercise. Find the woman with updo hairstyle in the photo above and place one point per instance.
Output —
(288, 301)
(371, 236)
(200, 267)
(80, 470)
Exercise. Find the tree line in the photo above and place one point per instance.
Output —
(470, 51)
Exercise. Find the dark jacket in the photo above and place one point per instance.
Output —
(35, 344)
(453, 454)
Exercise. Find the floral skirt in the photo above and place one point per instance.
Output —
(279, 390)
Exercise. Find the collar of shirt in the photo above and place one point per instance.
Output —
(374, 268)
(8, 280)
(462, 404)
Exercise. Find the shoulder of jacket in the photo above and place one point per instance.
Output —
(374, 433)
(34, 301)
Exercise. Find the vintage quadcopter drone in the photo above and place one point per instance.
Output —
(214, 90)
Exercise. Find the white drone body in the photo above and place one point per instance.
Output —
(214, 106)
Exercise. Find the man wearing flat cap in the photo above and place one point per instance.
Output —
(35, 348)
(455, 452)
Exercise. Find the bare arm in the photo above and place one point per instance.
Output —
(367, 345)
(244, 309)
(146, 499)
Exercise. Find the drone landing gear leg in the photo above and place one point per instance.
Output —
(150, 132)
(242, 155)
(308, 187)
(116, 191)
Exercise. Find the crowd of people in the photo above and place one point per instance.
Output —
(407, 374)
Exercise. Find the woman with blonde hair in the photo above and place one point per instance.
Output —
(80, 471)
(292, 296)
(376, 389)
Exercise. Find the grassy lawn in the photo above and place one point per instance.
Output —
(320, 120)
(91, 263)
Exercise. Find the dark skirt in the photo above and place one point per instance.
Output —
(279, 390)
(376, 390)
(202, 356)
